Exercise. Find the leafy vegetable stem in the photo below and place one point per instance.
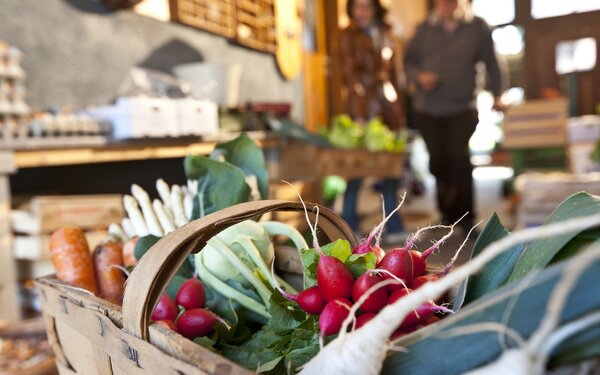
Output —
(254, 254)
(262, 290)
(230, 292)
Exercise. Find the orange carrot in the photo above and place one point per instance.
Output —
(110, 279)
(72, 259)
(129, 252)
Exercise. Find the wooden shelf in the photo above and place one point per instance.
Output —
(124, 151)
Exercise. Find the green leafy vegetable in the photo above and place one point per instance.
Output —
(379, 137)
(143, 245)
(540, 253)
(287, 341)
(345, 133)
(220, 185)
(248, 156)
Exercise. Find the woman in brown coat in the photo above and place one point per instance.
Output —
(369, 59)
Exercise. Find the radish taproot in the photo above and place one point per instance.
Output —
(165, 309)
(366, 246)
(191, 294)
(311, 301)
(333, 315)
(377, 300)
(196, 322)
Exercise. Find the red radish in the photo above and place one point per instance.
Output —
(196, 322)
(434, 319)
(421, 313)
(311, 301)
(165, 309)
(419, 281)
(399, 263)
(333, 315)
(403, 331)
(363, 319)
(377, 300)
(419, 258)
(333, 278)
(169, 324)
(365, 247)
(191, 294)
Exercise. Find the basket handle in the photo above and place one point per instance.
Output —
(155, 270)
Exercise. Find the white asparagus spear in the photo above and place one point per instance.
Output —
(177, 206)
(188, 206)
(128, 227)
(193, 186)
(116, 231)
(135, 215)
(149, 216)
(164, 192)
(165, 221)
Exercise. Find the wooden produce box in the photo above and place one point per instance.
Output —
(45, 214)
(536, 124)
(92, 336)
(37, 247)
(359, 163)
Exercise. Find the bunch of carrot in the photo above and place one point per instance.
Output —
(100, 272)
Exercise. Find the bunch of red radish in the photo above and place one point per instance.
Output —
(186, 314)
(337, 289)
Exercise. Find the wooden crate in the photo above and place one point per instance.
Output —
(92, 336)
(9, 304)
(536, 124)
(48, 213)
(216, 16)
(256, 24)
(359, 163)
(38, 247)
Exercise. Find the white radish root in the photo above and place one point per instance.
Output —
(363, 351)
(149, 215)
(166, 222)
(135, 215)
(177, 206)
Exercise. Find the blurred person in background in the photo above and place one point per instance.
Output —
(441, 62)
(369, 69)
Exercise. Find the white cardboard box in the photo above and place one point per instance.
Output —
(197, 117)
(139, 117)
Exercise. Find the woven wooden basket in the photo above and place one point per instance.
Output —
(92, 336)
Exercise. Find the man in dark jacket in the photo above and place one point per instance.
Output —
(441, 62)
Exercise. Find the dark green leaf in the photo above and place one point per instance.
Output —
(269, 366)
(205, 341)
(482, 347)
(143, 245)
(360, 263)
(220, 185)
(248, 156)
(497, 271)
(577, 245)
(577, 348)
(538, 254)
